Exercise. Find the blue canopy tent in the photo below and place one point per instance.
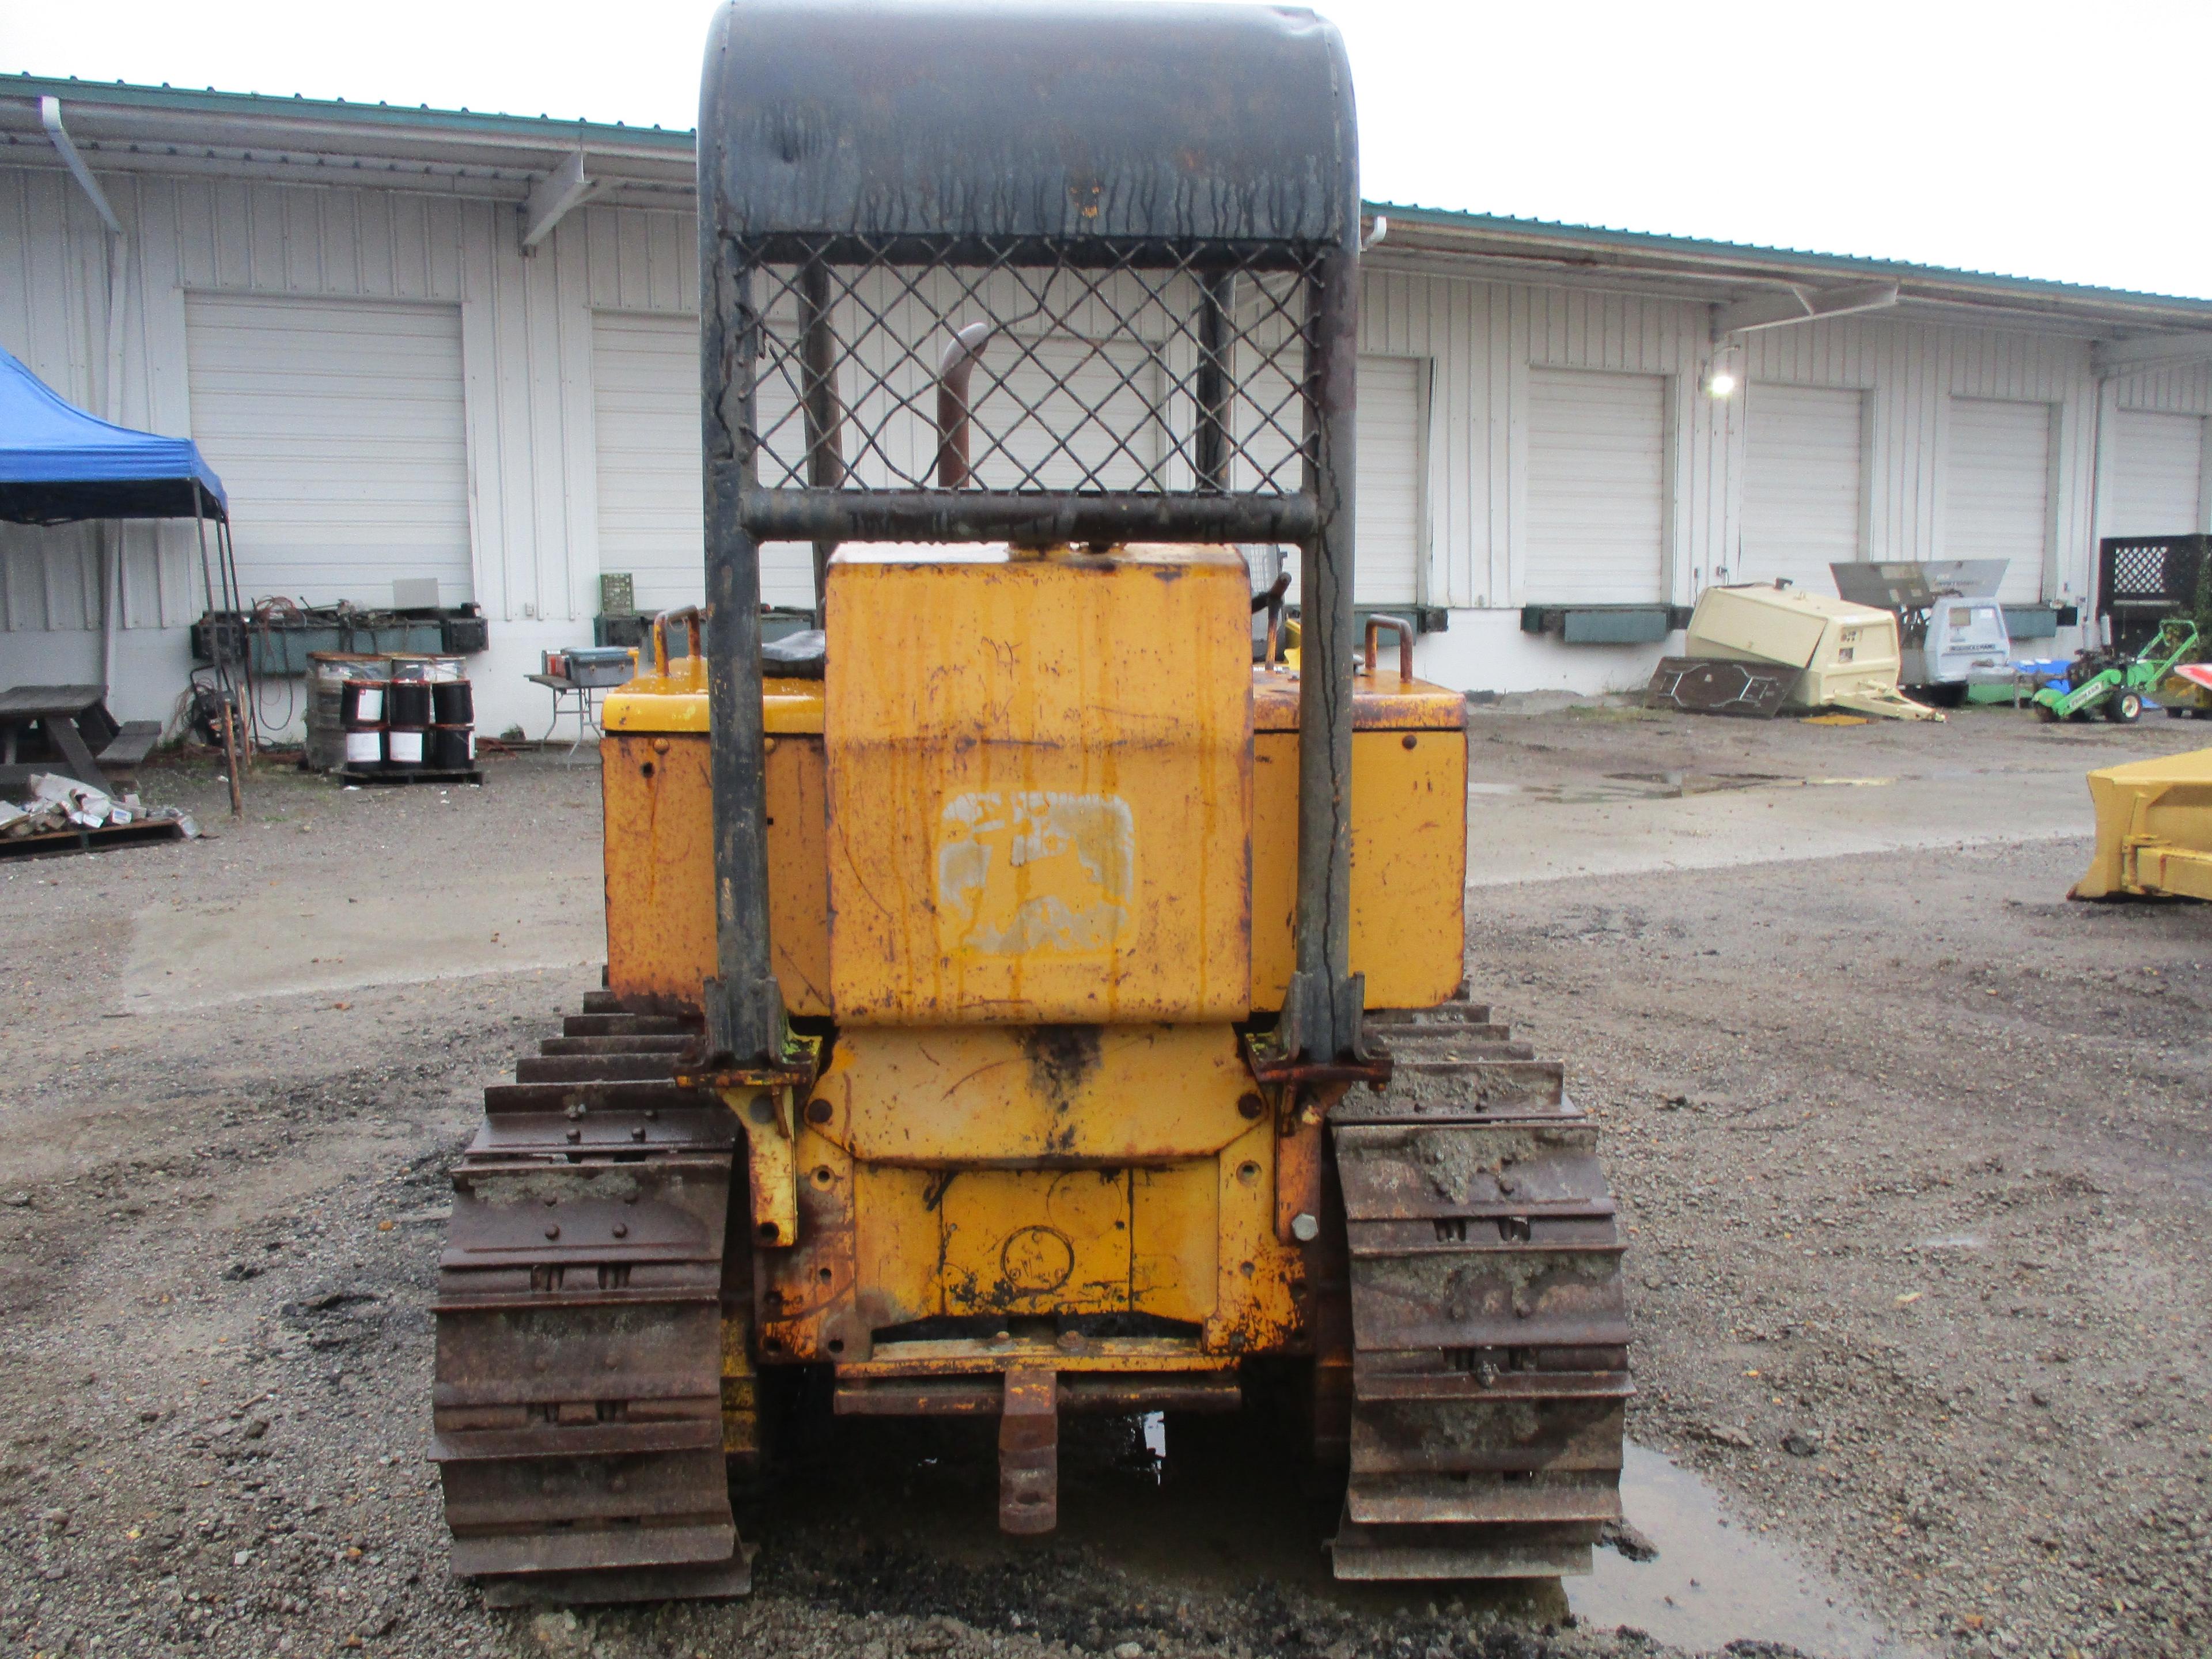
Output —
(60, 466)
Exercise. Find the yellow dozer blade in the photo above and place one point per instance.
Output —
(2153, 829)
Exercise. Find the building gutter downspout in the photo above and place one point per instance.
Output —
(110, 563)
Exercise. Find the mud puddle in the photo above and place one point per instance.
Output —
(1713, 1581)
(902, 1516)
(1664, 786)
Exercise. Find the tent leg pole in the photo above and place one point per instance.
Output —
(230, 758)
(227, 554)
(111, 597)
(214, 620)
(207, 579)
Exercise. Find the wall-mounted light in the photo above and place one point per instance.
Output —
(1724, 370)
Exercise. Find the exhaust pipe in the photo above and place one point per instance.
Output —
(953, 370)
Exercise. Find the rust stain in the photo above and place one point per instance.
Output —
(1062, 1059)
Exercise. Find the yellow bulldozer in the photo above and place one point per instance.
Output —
(1034, 991)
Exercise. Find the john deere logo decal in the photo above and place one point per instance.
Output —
(1024, 871)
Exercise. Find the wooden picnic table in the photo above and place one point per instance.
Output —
(85, 741)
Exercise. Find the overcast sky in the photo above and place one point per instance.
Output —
(2062, 141)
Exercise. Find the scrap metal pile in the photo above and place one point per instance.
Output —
(57, 810)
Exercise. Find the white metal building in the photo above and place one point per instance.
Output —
(424, 343)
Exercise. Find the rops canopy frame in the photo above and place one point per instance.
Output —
(1083, 273)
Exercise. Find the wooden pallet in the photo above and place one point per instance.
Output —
(76, 839)
(418, 775)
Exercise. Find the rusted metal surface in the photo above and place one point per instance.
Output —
(1508, 1550)
(959, 1357)
(1028, 1453)
(1381, 702)
(1518, 1434)
(1036, 1242)
(954, 371)
(1039, 787)
(577, 1405)
(1084, 122)
(1434, 1500)
(807, 1281)
(1404, 631)
(983, 1394)
(1299, 1155)
(694, 620)
(994, 1266)
(741, 1406)
(599, 1587)
(1277, 1068)
(661, 850)
(1033, 1096)
(771, 1159)
(1702, 685)
(1452, 1061)
(1408, 859)
(794, 1069)
(1491, 1328)
(1159, 1204)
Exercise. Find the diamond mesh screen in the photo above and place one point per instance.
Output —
(1094, 377)
(2140, 571)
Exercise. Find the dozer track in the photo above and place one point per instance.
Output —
(578, 1403)
(1489, 1356)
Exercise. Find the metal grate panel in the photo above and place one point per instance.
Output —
(1113, 375)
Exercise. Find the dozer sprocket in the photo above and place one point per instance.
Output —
(1490, 1367)
(579, 1387)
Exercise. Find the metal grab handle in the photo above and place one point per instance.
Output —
(1405, 644)
(690, 616)
(953, 368)
(1271, 601)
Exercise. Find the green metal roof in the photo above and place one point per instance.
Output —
(417, 116)
(1997, 284)
(1755, 260)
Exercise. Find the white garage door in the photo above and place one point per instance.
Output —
(2158, 474)
(1390, 425)
(652, 524)
(1597, 497)
(336, 426)
(1997, 497)
(1802, 485)
(1067, 415)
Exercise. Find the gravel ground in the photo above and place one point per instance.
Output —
(1914, 1157)
(1912, 1153)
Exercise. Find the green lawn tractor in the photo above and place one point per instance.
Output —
(2111, 681)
